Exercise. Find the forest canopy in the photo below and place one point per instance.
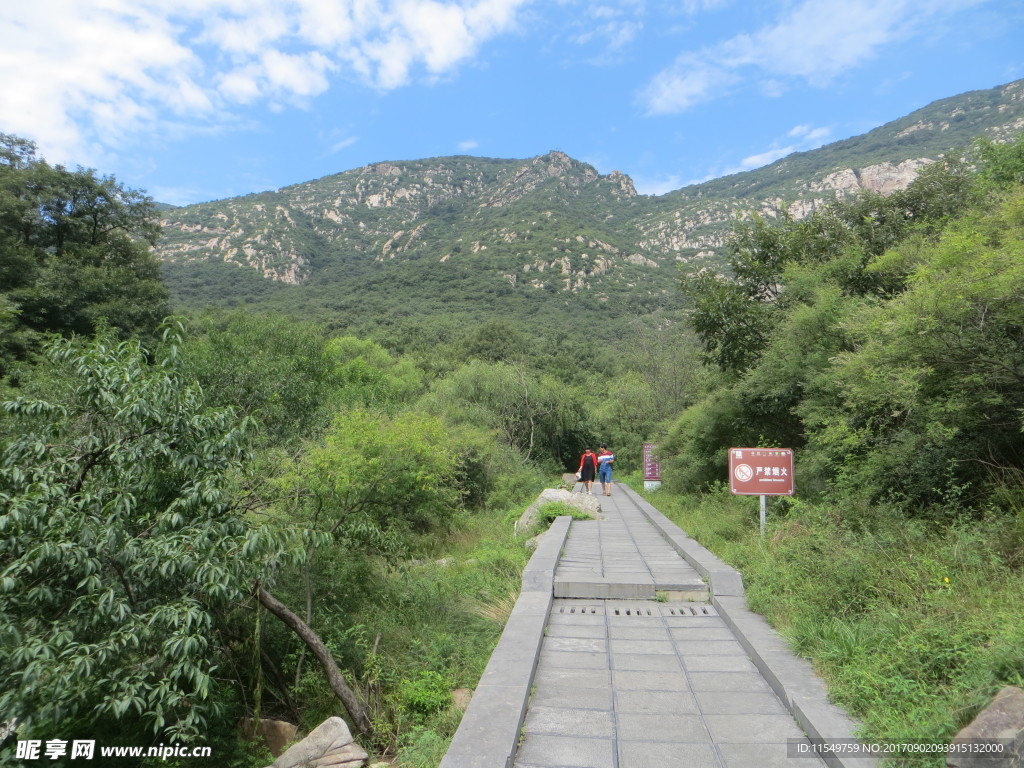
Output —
(74, 254)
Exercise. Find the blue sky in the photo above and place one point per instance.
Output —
(204, 99)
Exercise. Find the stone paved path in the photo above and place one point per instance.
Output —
(622, 556)
(635, 683)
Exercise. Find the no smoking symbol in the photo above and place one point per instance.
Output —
(743, 472)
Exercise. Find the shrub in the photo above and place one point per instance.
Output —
(428, 692)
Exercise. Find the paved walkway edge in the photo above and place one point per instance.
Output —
(489, 732)
(791, 677)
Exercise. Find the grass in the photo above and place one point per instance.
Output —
(411, 632)
(913, 626)
(553, 509)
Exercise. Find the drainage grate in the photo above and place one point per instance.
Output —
(597, 610)
(645, 611)
(640, 610)
(657, 610)
(689, 610)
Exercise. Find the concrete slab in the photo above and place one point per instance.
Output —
(648, 754)
(573, 660)
(649, 681)
(574, 630)
(555, 678)
(634, 726)
(545, 751)
(720, 663)
(728, 681)
(760, 756)
(745, 703)
(656, 703)
(646, 662)
(694, 634)
(573, 697)
(651, 632)
(589, 644)
(642, 646)
(751, 728)
(588, 723)
(711, 648)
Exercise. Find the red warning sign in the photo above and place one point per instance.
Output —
(761, 471)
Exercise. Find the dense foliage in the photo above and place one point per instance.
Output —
(74, 254)
(881, 337)
(122, 548)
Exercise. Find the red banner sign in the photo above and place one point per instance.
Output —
(652, 464)
(761, 471)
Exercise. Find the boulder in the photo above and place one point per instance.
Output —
(583, 501)
(275, 734)
(329, 745)
(1001, 720)
(462, 697)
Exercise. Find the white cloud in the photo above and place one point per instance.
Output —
(611, 28)
(649, 185)
(817, 41)
(302, 75)
(696, 6)
(689, 82)
(468, 145)
(342, 144)
(80, 76)
(173, 195)
(764, 158)
(807, 137)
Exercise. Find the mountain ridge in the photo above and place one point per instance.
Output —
(549, 225)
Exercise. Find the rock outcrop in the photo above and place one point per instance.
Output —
(275, 734)
(582, 501)
(1003, 721)
(329, 745)
(519, 221)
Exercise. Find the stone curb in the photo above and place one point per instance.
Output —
(791, 677)
(488, 735)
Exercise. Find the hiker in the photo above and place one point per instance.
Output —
(605, 459)
(587, 470)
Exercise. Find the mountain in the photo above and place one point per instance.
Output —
(472, 236)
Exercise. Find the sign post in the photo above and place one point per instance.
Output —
(761, 472)
(652, 468)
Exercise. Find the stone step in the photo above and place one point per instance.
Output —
(589, 586)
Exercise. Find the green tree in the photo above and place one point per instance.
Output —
(121, 547)
(495, 341)
(1001, 164)
(374, 478)
(370, 376)
(275, 370)
(928, 404)
(533, 413)
(74, 251)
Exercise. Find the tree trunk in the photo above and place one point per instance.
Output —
(355, 708)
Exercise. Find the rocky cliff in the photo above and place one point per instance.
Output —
(552, 223)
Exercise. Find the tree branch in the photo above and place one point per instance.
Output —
(355, 708)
